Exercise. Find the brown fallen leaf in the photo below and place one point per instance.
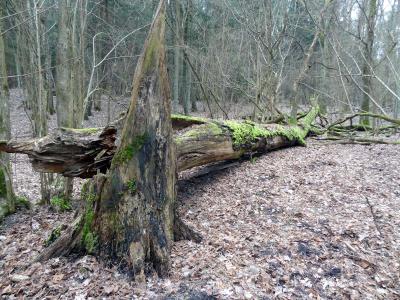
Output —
(58, 277)
(6, 291)
(108, 290)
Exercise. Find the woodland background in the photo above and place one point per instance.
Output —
(70, 63)
(228, 59)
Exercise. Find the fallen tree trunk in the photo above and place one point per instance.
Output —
(199, 141)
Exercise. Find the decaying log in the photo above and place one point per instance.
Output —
(199, 141)
(70, 152)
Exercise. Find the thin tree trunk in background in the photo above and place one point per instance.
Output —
(48, 72)
(177, 55)
(187, 74)
(17, 65)
(79, 71)
(258, 85)
(368, 59)
(188, 103)
(64, 55)
(24, 42)
(295, 98)
(7, 198)
(88, 108)
(104, 47)
(395, 19)
(325, 59)
(65, 85)
(96, 96)
(39, 108)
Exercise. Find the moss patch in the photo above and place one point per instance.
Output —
(54, 235)
(132, 186)
(200, 131)
(22, 202)
(153, 46)
(183, 118)
(3, 185)
(126, 154)
(247, 132)
(83, 130)
(89, 238)
(60, 203)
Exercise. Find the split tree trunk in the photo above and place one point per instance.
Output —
(129, 216)
(135, 209)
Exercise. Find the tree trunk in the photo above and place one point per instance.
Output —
(7, 204)
(70, 69)
(48, 72)
(368, 59)
(187, 74)
(295, 99)
(177, 55)
(64, 87)
(39, 103)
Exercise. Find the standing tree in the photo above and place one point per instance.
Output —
(30, 39)
(7, 204)
(70, 68)
(368, 57)
(130, 213)
(177, 54)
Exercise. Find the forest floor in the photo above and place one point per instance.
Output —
(315, 222)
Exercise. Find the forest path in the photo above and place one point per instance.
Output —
(297, 223)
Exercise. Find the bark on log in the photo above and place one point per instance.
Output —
(199, 141)
(70, 152)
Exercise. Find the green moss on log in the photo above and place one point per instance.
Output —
(83, 130)
(199, 131)
(190, 119)
(247, 132)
